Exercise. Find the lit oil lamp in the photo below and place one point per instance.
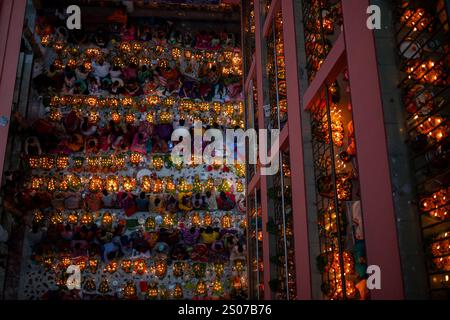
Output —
(169, 102)
(209, 185)
(196, 220)
(55, 115)
(36, 182)
(165, 117)
(201, 288)
(178, 269)
(62, 162)
(112, 184)
(125, 47)
(106, 162)
(217, 107)
(56, 218)
(236, 283)
(186, 105)
(219, 269)
(129, 184)
(158, 162)
(51, 184)
(88, 66)
(176, 53)
(226, 221)
(120, 161)
(90, 286)
(81, 263)
(94, 117)
(152, 291)
(93, 265)
(140, 266)
(111, 267)
(65, 262)
(207, 219)
(239, 265)
(104, 287)
(113, 102)
(170, 185)
(47, 162)
(146, 185)
(127, 266)
(199, 270)
(107, 219)
(38, 217)
(137, 46)
(136, 158)
(129, 291)
(217, 287)
(150, 223)
(153, 100)
(34, 162)
(178, 291)
(46, 40)
(157, 185)
(130, 118)
(96, 184)
(203, 106)
(150, 117)
(86, 218)
(184, 186)
(161, 269)
(168, 220)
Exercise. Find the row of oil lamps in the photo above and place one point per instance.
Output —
(155, 291)
(141, 53)
(114, 162)
(149, 184)
(107, 219)
(227, 118)
(183, 104)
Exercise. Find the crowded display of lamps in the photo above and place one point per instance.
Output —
(84, 175)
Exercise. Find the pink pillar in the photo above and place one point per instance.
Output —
(376, 193)
(11, 24)
(263, 180)
(300, 216)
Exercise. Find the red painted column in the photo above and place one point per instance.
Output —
(300, 215)
(263, 181)
(374, 175)
(11, 24)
